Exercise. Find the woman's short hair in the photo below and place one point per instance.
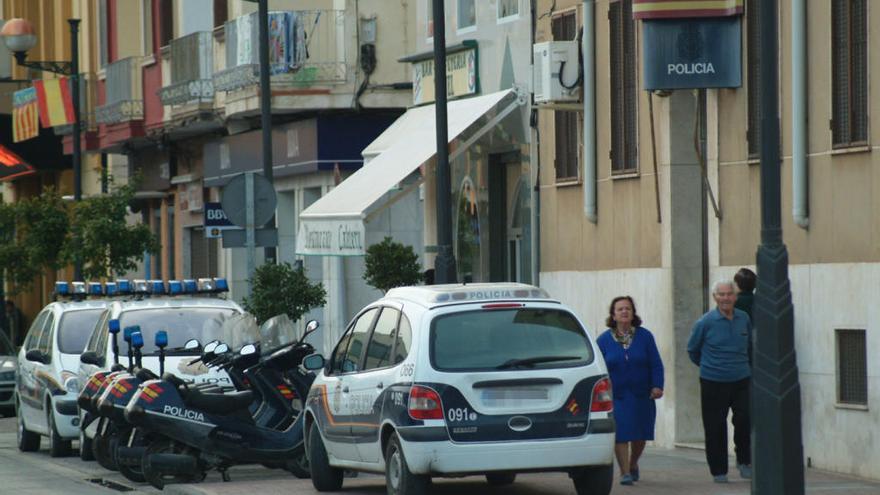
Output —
(610, 323)
(745, 279)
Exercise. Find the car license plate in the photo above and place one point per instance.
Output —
(506, 395)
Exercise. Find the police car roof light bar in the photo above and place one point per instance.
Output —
(175, 287)
(79, 288)
(111, 289)
(190, 286)
(62, 288)
(140, 286)
(157, 286)
(123, 285)
(221, 285)
(96, 289)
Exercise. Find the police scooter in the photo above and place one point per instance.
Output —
(197, 431)
(94, 386)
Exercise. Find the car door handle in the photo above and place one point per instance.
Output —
(345, 390)
(380, 385)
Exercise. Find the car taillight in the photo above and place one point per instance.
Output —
(602, 398)
(424, 403)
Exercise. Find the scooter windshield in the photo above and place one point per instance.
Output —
(278, 331)
(239, 331)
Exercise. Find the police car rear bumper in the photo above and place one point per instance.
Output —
(446, 457)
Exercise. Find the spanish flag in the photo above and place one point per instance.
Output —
(56, 105)
(679, 9)
(24, 115)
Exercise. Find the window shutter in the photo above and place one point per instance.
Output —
(631, 88)
(753, 51)
(840, 71)
(859, 68)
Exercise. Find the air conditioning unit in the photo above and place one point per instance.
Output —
(551, 58)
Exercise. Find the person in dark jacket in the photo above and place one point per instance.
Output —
(636, 372)
(745, 280)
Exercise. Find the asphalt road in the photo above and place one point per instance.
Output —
(664, 472)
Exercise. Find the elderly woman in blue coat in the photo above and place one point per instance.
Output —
(636, 380)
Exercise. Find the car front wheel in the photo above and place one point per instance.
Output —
(399, 480)
(325, 478)
(28, 441)
(58, 447)
(593, 480)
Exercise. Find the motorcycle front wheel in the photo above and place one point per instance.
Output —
(156, 477)
(132, 438)
(102, 447)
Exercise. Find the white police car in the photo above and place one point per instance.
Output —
(183, 309)
(452, 380)
(47, 385)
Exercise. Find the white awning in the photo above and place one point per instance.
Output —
(334, 225)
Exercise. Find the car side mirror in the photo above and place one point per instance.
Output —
(36, 355)
(313, 362)
(91, 357)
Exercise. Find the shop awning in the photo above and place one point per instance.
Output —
(334, 225)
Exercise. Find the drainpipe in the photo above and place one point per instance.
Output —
(799, 173)
(589, 58)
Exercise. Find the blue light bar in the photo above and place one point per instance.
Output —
(137, 340)
(62, 288)
(124, 285)
(206, 285)
(111, 289)
(79, 287)
(175, 287)
(113, 325)
(161, 338)
(221, 285)
(157, 286)
(95, 289)
(190, 286)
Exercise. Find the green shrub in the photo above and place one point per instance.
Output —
(391, 264)
(277, 289)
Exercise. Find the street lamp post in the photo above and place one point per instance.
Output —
(19, 36)
(444, 264)
(778, 458)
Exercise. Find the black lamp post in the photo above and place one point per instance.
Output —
(19, 36)
(444, 264)
(265, 104)
(778, 454)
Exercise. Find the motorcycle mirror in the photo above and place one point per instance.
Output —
(311, 326)
(161, 338)
(313, 362)
(191, 344)
(221, 349)
(248, 349)
(137, 340)
(113, 326)
(210, 346)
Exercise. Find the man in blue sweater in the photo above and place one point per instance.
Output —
(720, 345)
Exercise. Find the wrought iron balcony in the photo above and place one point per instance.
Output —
(307, 47)
(124, 93)
(192, 65)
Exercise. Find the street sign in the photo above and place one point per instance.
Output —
(215, 220)
(237, 238)
(692, 53)
(233, 200)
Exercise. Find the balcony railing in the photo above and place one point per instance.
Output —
(124, 94)
(307, 47)
(192, 65)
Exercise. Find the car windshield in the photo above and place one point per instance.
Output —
(508, 339)
(5, 346)
(75, 329)
(181, 324)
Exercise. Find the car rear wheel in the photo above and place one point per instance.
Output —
(28, 441)
(325, 478)
(399, 480)
(500, 479)
(58, 446)
(593, 480)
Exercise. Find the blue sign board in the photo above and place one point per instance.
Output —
(692, 53)
(216, 220)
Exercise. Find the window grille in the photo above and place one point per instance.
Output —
(565, 29)
(624, 88)
(849, 33)
(852, 367)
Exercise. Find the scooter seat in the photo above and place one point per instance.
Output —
(145, 374)
(218, 403)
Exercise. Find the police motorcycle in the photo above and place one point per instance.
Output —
(193, 431)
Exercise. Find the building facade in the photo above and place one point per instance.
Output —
(677, 205)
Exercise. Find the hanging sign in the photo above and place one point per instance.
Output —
(692, 53)
(462, 65)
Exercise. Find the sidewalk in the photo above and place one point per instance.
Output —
(678, 471)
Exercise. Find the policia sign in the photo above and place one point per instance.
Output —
(692, 53)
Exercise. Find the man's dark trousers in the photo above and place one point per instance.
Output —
(717, 398)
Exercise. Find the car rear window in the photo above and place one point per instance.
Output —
(508, 339)
(181, 324)
(75, 329)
